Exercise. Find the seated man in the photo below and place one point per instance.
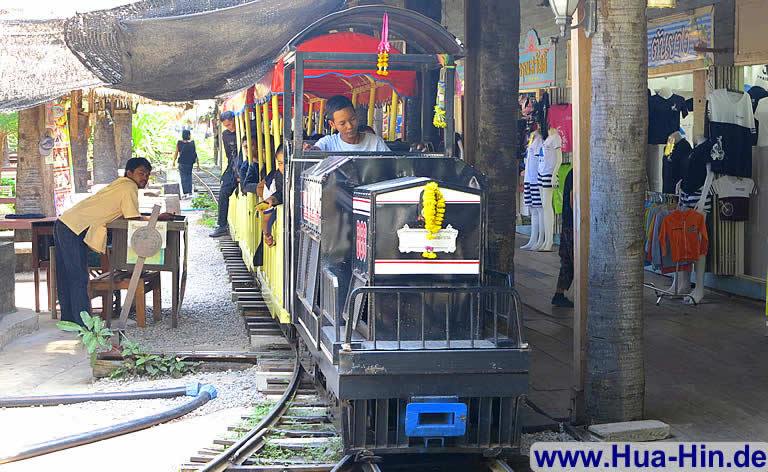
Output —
(341, 116)
(85, 226)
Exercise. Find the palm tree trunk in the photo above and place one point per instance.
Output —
(615, 378)
(34, 177)
(104, 156)
(123, 137)
(5, 159)
(492, 29)
(79, 145)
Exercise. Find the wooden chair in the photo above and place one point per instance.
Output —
(110, 283)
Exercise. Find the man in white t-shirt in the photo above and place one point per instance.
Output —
(341, 117)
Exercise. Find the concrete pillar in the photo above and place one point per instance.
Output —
(123, 138)
(7, 274)
(104, 157)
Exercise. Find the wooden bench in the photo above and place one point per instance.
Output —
(102, 286)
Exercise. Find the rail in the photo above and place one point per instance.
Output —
(493, 314)
(204, 184)
(253, 439)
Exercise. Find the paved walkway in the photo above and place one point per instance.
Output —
(705, 365)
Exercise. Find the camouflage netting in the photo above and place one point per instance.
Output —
(162, 49)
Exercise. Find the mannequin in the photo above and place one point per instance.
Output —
(549, 164)
(531, 194)
(682, 280)
(664, 92)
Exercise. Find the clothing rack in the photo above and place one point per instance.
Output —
(668, 199)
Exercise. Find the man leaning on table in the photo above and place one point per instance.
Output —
(84, 226)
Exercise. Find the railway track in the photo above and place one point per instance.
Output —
(294, 430)
(207, 181)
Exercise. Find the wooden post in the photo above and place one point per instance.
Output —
(309, 118)
(276, 120)
(371, 103)
(267, 138)
(259, 136)
(321, 118)
(392, 134)
(699, 102)
(581, 94)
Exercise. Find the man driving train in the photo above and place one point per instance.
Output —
(341, 116)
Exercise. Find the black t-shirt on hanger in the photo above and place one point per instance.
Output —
(664, 117)
(694, 169)
(756, 94)
(737, 144)
(672, 165)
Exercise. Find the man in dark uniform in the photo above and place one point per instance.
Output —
(229, 177)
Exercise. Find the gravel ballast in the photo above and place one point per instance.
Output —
(209, 319)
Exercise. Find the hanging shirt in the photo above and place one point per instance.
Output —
(761, 122)
(664, 117)
(672, 165)
(120, 198)
(561, 118)
(686, 233)
(368, 143)
(694, 168)
(756, 93)
(733, 122)
(548, 159)
(733, 197)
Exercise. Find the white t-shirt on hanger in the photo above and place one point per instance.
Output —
(761, 115)
(731, 107)
(728, 186)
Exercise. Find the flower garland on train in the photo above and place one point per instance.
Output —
(382, 64)
(433, 212)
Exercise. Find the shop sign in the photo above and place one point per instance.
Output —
(674, 41)
(537, 63)
(56, 127)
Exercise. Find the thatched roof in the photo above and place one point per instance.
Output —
(166, 50)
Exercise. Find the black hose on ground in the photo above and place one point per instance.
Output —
(204, 394)
(54, 400)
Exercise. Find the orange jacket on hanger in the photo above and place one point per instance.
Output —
(686, 231)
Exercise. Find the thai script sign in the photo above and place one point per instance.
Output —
(674, 41)
(60, 157)
(537, 63)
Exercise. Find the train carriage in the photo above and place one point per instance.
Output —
(380, 271)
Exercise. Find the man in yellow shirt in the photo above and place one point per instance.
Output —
(84, 226)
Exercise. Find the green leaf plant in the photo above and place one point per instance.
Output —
(136, 361)
(94, 335)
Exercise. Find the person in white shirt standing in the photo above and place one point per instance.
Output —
(341, 116)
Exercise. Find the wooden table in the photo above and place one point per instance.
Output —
(23, 223)
(175, 261)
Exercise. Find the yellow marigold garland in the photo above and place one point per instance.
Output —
(433, 211)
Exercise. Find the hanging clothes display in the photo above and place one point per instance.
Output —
(675, 156)
(694, 173)
(733, 197)
(657, 208)
(557, 198)
(664, 116)
(732, 122)
(548, 159)
(761, 122)
(531, 192)
(686, 233)
(561, 118)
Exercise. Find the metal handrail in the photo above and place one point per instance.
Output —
(513, 311)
